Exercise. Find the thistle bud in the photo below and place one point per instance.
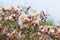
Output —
(6, 18)
(0, 18)
(11, 18)
(28, 7)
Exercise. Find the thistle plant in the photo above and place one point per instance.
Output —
(20, 24)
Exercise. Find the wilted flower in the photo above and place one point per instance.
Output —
(0, 18)
(38, 33)
(5, 31)
(58, 32)
(52, 30)
(8, 34)
(14, 32)
(1, 27)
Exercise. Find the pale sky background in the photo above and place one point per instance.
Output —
(51, 6)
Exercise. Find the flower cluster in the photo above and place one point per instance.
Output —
(7, 34)
(21, 24)
(31, 19)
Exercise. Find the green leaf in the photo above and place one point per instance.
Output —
(14, 25)
(49, 22)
